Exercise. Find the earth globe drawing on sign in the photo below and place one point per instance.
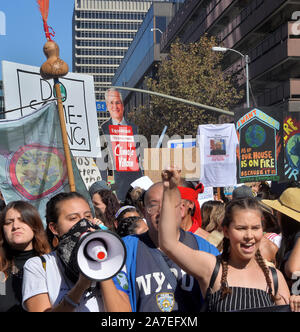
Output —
(255, 135)
(36, 170)
(293, 151)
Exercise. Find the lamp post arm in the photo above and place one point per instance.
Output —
(206, 107)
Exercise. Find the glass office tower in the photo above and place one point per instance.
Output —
(102, 33)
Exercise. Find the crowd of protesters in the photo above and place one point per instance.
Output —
(234, 253)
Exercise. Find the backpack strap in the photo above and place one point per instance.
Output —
(275, 279)
(43, 262)
(206, 304)
(215, 272)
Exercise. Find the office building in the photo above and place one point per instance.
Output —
(102, 32)
(265, 30)
(143, 54)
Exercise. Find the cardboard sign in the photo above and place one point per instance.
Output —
(123, 148)
(261, 146)
(187, 159)
(24, 87)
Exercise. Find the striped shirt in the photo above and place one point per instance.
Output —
(239, 299)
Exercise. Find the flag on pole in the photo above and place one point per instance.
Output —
(32, 161)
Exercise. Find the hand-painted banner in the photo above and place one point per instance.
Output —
(291, 136)
(32, 161)
(261, 144)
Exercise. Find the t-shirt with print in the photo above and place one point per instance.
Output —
(217, 147)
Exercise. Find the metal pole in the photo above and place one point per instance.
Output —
(247, 80)
(161, 137)
(206, 107)
(247, 61)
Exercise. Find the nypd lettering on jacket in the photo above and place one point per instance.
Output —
(155, 281)
(154, 290)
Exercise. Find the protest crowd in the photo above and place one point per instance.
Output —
(239, 250)
(176, 251)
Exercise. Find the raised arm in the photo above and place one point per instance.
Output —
(195, 262)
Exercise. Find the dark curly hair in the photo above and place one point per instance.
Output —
(112, 206)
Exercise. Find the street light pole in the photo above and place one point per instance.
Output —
(153, 29)
(247, 60)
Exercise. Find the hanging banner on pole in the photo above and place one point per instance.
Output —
(261, 150)
(32, 160)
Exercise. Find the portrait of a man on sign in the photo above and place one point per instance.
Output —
(119, 135)
(115, 106)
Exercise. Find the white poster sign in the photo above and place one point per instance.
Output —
(24, 87)
(88, 170)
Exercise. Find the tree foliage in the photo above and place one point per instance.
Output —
(193, 72)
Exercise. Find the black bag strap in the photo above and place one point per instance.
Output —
(275, 279)
(214, 275)
(206, 304)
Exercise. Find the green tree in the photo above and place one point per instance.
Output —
(193, 72)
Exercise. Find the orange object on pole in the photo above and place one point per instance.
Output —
(54, 68)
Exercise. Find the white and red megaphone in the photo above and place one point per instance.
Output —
(100, 255)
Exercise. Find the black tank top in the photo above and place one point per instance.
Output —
(240, 298)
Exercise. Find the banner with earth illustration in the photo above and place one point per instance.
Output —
(291, 137)
(261, 148)
(32, 161)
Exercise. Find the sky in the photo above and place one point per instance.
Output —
(24, 33)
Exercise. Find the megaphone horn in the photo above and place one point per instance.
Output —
(100, 255)
(96, 250)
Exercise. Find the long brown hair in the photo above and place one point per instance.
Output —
(31, 217)
(244, 204)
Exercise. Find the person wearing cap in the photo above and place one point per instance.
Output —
(288, 213)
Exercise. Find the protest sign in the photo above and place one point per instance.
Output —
(121, 145)
(157, 159)
(217, 145)
(123, 148)
(88, 170)
(24, 87)
(291, 136)
(260, 144)
(32, 161)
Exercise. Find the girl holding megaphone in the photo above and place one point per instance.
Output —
(55, 283)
